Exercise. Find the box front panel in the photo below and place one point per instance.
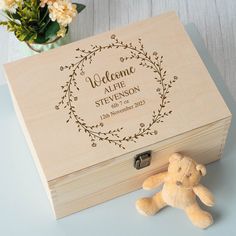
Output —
(111, 179)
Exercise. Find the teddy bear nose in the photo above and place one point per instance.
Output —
(178, 183)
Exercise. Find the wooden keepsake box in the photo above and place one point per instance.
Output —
(103, 113)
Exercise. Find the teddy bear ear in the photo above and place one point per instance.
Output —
(202, 169)
(175, 157)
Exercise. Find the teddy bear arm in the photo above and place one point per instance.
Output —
(204, 195)
(154, 181)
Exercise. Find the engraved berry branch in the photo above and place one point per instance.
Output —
(153, 62)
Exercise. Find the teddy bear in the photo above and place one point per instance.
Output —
(180, 188)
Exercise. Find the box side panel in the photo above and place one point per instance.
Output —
(84, 189)
(31, 146)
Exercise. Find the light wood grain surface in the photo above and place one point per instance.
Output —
(215, 20)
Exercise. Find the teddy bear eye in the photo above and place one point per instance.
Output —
(179, 169)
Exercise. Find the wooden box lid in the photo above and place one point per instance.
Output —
(107, 95)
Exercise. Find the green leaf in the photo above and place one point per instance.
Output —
(52, 29)
(79, 7)
(3, 23)
(41, 39)
(30, 37)
(15, 16)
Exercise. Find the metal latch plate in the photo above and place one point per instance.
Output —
(142, 160)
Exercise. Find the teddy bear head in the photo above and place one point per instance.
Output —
(183, 171)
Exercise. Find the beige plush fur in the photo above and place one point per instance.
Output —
(181, 186)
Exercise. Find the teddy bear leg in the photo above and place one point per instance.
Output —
(150, 206)
(198, 217)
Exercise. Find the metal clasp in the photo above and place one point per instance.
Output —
(142, 160)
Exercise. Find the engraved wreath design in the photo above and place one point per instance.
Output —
(152, 62)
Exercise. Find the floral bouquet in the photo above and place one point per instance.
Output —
(39, 21)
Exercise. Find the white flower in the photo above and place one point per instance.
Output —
(62, 11)
(9, 5)
(61, 32)
(44, 2)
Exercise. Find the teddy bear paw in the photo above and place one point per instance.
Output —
(203, 220)
(146, 206)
